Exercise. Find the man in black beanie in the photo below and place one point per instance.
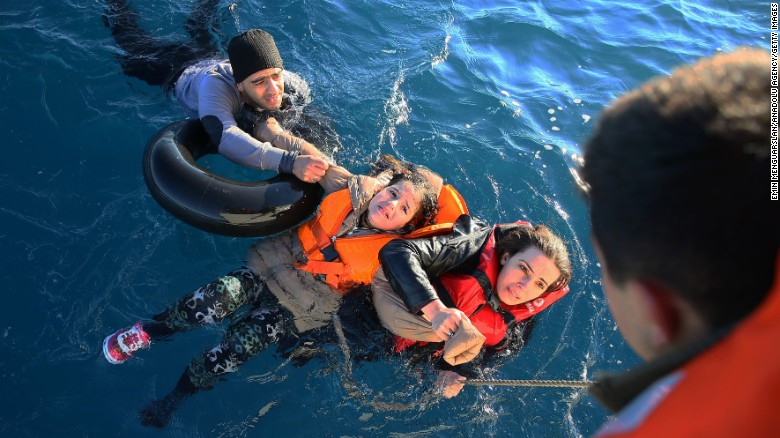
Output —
(247, 88)
(239, 101)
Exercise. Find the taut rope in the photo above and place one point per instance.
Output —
(543, 383)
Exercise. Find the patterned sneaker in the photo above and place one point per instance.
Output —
(123, 344)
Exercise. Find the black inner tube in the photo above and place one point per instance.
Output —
(214, 203)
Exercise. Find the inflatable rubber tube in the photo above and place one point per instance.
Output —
(214, 203)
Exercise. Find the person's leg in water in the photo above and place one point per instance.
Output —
(209, 304)
(247, 336)
(152, 59)
(203, 25)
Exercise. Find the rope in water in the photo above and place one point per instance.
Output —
(544, 383)
(476, 382)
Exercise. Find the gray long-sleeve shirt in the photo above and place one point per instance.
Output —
(207, 89)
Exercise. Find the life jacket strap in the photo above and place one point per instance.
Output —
(326, 237)
(329, 253)
(327, 268)
(491, 297)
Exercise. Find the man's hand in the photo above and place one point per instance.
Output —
(309, 168)
(450, 383)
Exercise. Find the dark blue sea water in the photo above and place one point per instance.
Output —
(497, 96)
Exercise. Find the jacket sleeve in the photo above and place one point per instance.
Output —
(218, 105)
(409, 264)
(493, 358)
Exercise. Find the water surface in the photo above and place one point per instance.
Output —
(497, 96)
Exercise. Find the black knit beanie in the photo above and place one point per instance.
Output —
(252, 51)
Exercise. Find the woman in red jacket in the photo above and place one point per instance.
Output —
(469, 288)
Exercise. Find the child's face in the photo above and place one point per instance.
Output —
(393, 207)
(525, 276)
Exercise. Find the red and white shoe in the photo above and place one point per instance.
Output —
(123, 344)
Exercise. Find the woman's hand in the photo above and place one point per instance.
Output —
(444, 320)
(450, 383)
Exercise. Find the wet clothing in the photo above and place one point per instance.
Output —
(474, 294)
(347, 262)
(250, 333)
(284, 301)
(725, 385)
(461, 270)
(207, 90)
(310, 299)
(154, 59)
(258, 323)
(204, 85)
(343, 262)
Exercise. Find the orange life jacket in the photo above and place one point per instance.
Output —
(349, 261)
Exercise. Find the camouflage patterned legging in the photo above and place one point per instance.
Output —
(248, 334)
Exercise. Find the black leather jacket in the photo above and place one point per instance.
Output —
(409, 265)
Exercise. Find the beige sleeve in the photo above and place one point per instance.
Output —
(336, 178)
(270, 131)
(394, 314)
(362, 189)
(462, 347)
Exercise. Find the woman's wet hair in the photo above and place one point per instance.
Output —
(542, 238)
